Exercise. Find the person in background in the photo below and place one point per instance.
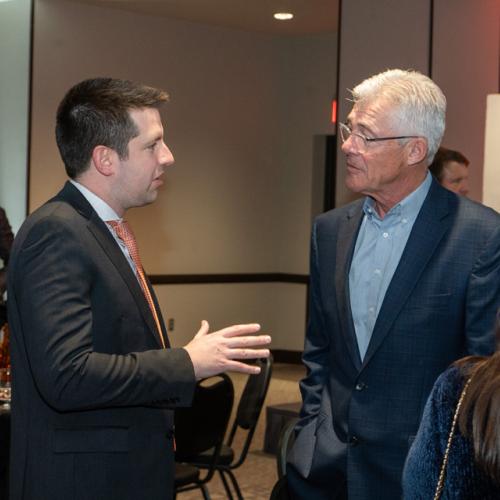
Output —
(94, 379)
(403, 282)
(451, 169)
(6, 239)
(473, 468)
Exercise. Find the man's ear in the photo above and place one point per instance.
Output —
(104, 160)
(417, 150)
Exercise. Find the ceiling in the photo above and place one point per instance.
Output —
(310, 16)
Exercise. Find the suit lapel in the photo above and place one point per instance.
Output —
(429, 228)
(103, 236)
(348, 229)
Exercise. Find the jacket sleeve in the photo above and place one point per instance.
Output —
(52, 283)
(483, 297)
(317, 344)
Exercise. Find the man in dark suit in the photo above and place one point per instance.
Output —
(94, 378)
(403, 282)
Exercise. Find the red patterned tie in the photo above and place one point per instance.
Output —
(124, 232)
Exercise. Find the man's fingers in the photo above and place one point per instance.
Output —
(247, 354)
(203, 329)
(250, 341)
(237, 330)
(237, 366)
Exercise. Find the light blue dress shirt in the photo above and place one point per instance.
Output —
(379, 246)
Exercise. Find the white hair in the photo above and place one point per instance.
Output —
(420, 103)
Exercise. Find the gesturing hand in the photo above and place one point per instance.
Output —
(217, 352)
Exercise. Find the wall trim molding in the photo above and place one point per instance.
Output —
(287, 356)
(191, 279)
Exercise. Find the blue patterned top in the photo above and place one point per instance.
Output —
(464, 480)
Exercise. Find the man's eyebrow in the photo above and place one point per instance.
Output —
(156, 138)
(365, 128)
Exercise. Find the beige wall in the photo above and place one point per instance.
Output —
(491, 187)
(241, 122)
(376, 36)
(279, 308)
(466, 59)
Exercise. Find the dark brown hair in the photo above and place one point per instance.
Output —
(442, 157)
(96, 112)
(479, 417)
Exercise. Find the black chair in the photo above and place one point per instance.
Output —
(201, 429)
(247, 416)
(287, 438)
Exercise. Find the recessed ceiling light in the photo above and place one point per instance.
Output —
(283, 16)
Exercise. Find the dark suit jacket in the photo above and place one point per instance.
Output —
(359, 417)
(90, 382)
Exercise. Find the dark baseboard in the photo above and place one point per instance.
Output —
(287, 356)
(189, 279)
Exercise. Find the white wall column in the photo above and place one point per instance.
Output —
(15, 59)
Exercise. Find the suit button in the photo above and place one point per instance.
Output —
(354, 441)
(360, 386)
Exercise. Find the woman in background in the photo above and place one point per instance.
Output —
(473, 469)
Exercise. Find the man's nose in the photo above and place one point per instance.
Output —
(166, 157)
(348, 145)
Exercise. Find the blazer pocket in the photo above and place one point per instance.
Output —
(91, 440)
(435, 301)
(301, 454)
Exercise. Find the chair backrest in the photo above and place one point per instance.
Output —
(254, 394)
(250, 406)
(287, 438)
(203, 425)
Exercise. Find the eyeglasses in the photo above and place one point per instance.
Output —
(362, 142)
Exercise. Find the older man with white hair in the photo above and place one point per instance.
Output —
(403, 282)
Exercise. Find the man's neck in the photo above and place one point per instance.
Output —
(103, 208)
(389, 198)
(98, 190)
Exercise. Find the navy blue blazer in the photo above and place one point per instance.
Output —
(359, 417)
(93, 391)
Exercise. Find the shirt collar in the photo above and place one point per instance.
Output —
(408, 207)
(103, 210)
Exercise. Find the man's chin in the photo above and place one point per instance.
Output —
(146, 200)
(353, 185)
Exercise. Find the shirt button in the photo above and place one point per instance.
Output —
(371, 310)
(378, 272)
(404, 221)
(386, 235)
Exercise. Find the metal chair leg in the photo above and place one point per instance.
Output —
(204, 490)
(235, 484)
(226, 485)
